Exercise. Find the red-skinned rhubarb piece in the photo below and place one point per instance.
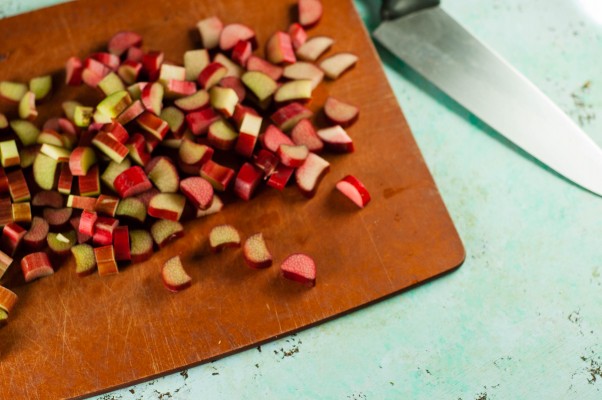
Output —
(8, 299)
(87, 221)
(110, 146)
(151, 63)
(273, 138)
(216, 206)
(60, 154)
(132, 112)
(233, 33)
(132, 208)
(355, 190)
(223, 100)
(266, 161)
(117, 130)
(110, 60)
(211, 75)
(4, 188)
(122, 41)
(200, 121)
(258, 64)
(172, 72)
(81, 202)
(193, 153)
(17, 185)
(194, 62)
(73, 71)
(175, 89)
(210, 30)
(85, 261)
(141, 246)
(198, 190)
(309, 175)
(162, 172)
(194, 102)
(6, 212)
(167, 206)
(288, 116)
(240, 112)
(292, 156)
(134, 54)
(299, 268)
(256, 253)
(297, 34)
(336, 139)
(247, 180)
(223, 236)
(21, 212)
(112, 170)
(335, 65)
(218, 175)
(235, 84)
(241, 52)
(61, 243)
(106, 205)
(152, 97)
(103, 230)
(339, 112)
(221, 135)
(310, 12)
(12, 236)
(57, 217)
(105, 260)
(36, 265)
(129, 71)
(304, 133)
(9, 154)
(131, 182)
(174, 276)
(153, 125)
(138, 149)
(89, 184)
(314, 47)
(114, 104)
(81, 159)
(248, 134)
(146, 196)
(65, 179)
(48, 198)
(233, 68)
(165, 231)
(35, 238)
(121, 243)
(279, 49)
(304, 70)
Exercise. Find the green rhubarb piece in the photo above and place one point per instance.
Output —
(260, 84)
(141, 243)
(13, 91)
(59, 154)
(9, 154)
(165, 230)
(41, 86)
(26, 131)
(3, 121)
(61, 243)
(135, 91)
(173, 116)
(82, 116)
(113, 170)
(44, 169)
(69, 107)
(85, 261)
(27, 106)
(111, 84)
(50, 137)
(194, 62)
(114, 104)
(133, 208)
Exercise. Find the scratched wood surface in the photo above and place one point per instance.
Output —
(70, 337)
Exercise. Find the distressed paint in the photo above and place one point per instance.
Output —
(521, 319)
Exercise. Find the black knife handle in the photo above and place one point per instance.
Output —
(392, 9)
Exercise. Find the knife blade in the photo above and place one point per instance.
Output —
(431, 42)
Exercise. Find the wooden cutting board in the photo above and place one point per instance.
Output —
(70, 336)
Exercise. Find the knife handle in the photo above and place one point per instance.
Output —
(392, 9)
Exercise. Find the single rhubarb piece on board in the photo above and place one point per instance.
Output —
(36, 265)
(174, 276)
(314, 47)
(279, 49)
(233, 33)
(335, 65)
(336, 139)
(304, 70)
(256, 253)
(299, 268)
(310, 12)
(210, 30)
(292, 156)
(355, 190)
(223, 236)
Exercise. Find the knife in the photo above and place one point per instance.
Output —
(426, 38)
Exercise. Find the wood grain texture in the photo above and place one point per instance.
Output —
(70, 337)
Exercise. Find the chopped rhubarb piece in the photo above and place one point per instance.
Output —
(200, 121)
(279, 49)
(152, 97)
(266, 161)
(146, 197)
(9, 154)
(44, 171)
(117, 131)
(167, 206)
(58, 154)
(89, 184)
(114, 104)
(47, 198)
(223, 236)
(310, 12)
(260, 84)
(174, 276)
(26, 131)
(248, 134)
(304, 133)
(5, 262)
(355, 190)
(235, 84)
(258, 64)
(280, 177)
(61, 243)
(129, 71)
(132, 208)
(153, 125)
(221, 135)
(211, 75)
(165, 231)
(299, 90)
(151, 63)
(131, 182)
(12, 91)
(35, 238)
(85, 262)
(198, 191)
(17, 184)
(8, 299)
(87, 222)
(335, 65)
(256, 253)
(50, 137)
(6, 211)
(233, 33)
(216, 206)
(121, 243)
(134, 54)
(65, 179)
(137, 145)
(27, 107)
(175, 119)
(110, 146)
(273, 138)
(81, 202)
(193, 102)
(247, 180)
(112, 171)
(21, 212)
(299, 268)
(194, 62)
(73, 71)
(193, 153)
(172, 72)
(304, 70)
(12, 235)
(314, 47)
(210, 30)
(292, 156)
(141, 246)
(111, 83)
(132, 112)
(105, 260)
(81, 159)
(103, 230)
(110, 60)
(122, 41)
(240, 112)
(218, 175)
(241, 52)
(36, 265)
(162, 172)
(223, 100)
(106, 205)
(297, 34)
(288, 116)
(309, 175)
(57, 217)
(340, 113)
(336, 139)
(4, 188)
(81, 237)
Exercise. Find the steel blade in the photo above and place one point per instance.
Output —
(440, 49)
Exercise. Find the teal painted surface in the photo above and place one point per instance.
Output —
(522, 318)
